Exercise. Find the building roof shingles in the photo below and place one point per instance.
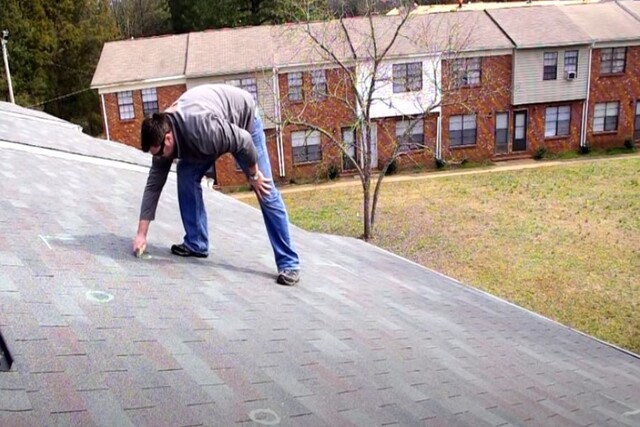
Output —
(367, 338)
(537, 27)
(142, 59)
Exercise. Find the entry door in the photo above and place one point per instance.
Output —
(349, 141)
(519, 131)
(636, 133)
(374, 146)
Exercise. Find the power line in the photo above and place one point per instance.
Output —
(59, 98)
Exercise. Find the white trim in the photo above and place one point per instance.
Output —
(616, 43)
(585, 108)
(279, 143)
(141, 84)
(106, 118)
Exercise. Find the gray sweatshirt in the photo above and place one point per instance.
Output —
(209, 121)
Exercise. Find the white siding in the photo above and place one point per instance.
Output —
(385, 103)
(264, 82)
(530, 88)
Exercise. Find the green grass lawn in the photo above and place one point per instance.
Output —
(563, 241)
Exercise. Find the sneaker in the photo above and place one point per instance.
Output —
(182, 250)
(288, 277)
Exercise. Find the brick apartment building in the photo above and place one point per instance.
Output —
(506, 91)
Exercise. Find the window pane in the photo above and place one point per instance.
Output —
(598, 124)
(297, 139)
(469, 121)
(455, 137)
(502, 120)
(455, 123)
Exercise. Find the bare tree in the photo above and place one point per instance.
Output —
(141, 18)
(357, 81)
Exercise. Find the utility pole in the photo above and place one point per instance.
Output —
(5, 37)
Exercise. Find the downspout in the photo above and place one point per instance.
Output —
(585, 108)
(439, 136)
(276, 103)
(104, 114)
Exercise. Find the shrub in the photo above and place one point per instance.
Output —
(333, 172)
(392, 168)
(628, 143)
(540, 153)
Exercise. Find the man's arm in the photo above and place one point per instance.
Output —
(158, 173)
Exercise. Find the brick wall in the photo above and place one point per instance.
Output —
(330, 114)
(623, 87)
(387, 142)
(128, 131)
(492, 95)
(556, 144)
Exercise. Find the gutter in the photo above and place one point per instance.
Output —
(279, 143)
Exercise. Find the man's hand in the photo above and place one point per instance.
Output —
(261, 185)
(139, 244)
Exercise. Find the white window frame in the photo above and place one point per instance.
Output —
(319, 84)
(613, 60)
(294, 86)
(467, 71)
(557, 121)
(466, 125)
(550, 61)
(306, 147)
(606, 116)
(149, 101)
(409, 135)
(125, 105)
(247, 83)
(407, 77)
(571, 61)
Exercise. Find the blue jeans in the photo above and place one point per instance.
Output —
(194, 215)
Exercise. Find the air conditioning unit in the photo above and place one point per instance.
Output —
(570, 75)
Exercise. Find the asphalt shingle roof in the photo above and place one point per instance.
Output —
(136, 60)
(604, 22)
(534, 27)
(102, 338)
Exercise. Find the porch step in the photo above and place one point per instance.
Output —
(508, 157)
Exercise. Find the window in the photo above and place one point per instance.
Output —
(612, 60)
(636, 133)
(248, 84)
(319, 84)
(556, 121)
(294, 84)
(306, 147)
(407, 77)
(149, 101)
(571, 63)
(502, 132)
(409, 135)
(605, 117)
(466, 72)
(550, 66)
(462, 130)
(125, 105)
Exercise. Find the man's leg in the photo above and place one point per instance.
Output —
(273, 209)
(192, 211)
